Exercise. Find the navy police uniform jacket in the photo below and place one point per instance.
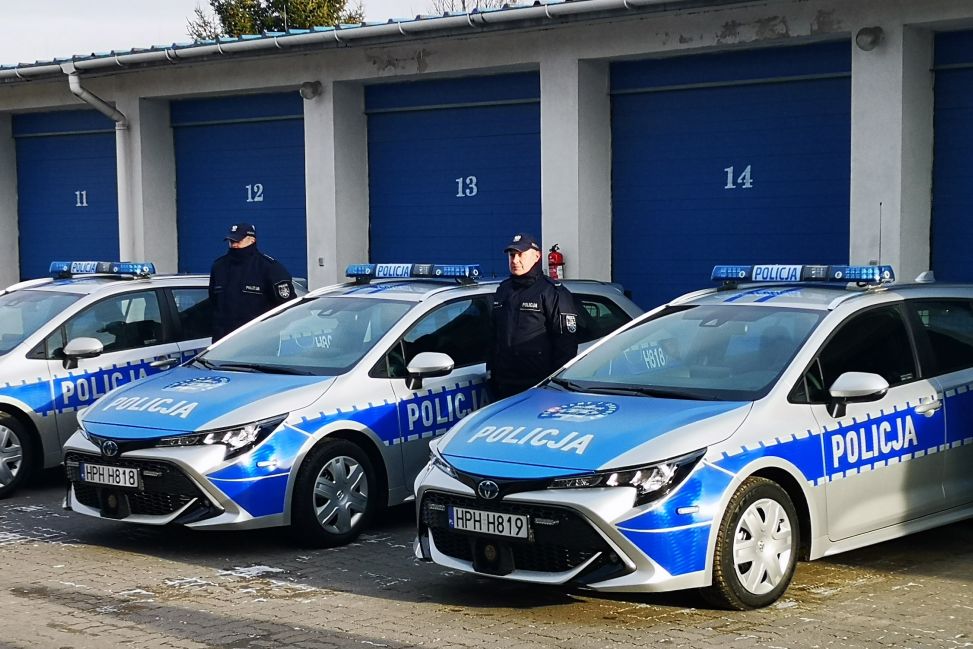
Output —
(535, 326)
(243, 284)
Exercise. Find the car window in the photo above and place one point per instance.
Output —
(325, 336)
(875, 341)
(461, 329)
(126, 321)
(724, 352)
(948, 325)
(195, 312)
(24, 312)
(597, 316)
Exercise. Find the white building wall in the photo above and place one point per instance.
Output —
(576, 164)
(891, 121)
(9, 225)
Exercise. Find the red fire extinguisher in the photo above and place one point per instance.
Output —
(555, 261)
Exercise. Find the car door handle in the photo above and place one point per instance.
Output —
(165, 363)
(929, 408)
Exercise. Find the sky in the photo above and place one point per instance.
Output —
(33, 30)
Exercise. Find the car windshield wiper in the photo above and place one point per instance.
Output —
(259, 367)
(643, 391)
(570, 386)
(205, 363)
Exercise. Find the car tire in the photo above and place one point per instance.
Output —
(756, 547)
(17, 454)
(336, 495)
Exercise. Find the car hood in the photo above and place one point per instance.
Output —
(547, 432)
(189, 399)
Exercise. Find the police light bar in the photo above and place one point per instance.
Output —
(469, 272)
(61, 269)
(787, 274)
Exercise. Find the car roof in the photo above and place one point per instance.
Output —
(88, 284)
(417, 290)
(823, 297)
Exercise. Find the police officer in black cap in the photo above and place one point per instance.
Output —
(535, 322)
(244, 282)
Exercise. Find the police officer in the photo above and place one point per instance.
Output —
(535, 322)
(244, 282)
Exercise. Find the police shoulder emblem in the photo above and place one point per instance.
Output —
(571, 322)
(284, 290)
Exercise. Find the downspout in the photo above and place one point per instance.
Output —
(126, 229)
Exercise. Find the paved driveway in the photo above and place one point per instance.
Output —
(69, 581)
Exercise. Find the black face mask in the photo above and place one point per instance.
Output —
(528, 278)
(240, 254)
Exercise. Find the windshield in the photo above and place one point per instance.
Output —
(23, 312)
(722, 352)
(325, 336)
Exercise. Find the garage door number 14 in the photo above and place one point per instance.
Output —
(743, 181)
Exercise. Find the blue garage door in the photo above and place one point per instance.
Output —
(952, 196)
(728, 158)
(240, 159)
(453, 169)
(67, 192)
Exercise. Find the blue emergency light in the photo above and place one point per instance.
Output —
(63, 269)
(787, 274)
(366, 272)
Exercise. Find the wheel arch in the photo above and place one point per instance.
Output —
(35, 436)
(792, 481)
(364, 438)
(796, 493)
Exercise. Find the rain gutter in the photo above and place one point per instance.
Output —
(126, 233)
(344, 36)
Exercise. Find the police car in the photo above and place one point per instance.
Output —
(714, 441)
(70, 338)
(315, 415)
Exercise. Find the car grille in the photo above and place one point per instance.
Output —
(163, 493)
(562, 539)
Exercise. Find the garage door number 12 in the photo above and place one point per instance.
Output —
(255, 193)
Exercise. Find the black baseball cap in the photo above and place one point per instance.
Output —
(522, 242)
(239, 231)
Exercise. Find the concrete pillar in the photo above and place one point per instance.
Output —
(9, 223)
(891, 150)
(152, 234)
(576, 164)
(336, 168)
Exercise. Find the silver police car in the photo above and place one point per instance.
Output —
(794, 412)
(68, 339)
(315, 415)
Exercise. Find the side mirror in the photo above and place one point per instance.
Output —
(427, 365)
(855, 387)
(81, 348)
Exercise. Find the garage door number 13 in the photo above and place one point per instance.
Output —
(743, 181)
(466, 187)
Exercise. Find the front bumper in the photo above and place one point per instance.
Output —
(174, 488)
(578, 536)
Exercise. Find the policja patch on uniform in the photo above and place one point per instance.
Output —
(571, 322)
(283, 290)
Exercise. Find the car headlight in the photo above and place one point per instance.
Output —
(437, 460)
(236, 439)
(651, 481)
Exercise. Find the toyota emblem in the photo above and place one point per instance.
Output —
(109, 448)
(488, 489)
